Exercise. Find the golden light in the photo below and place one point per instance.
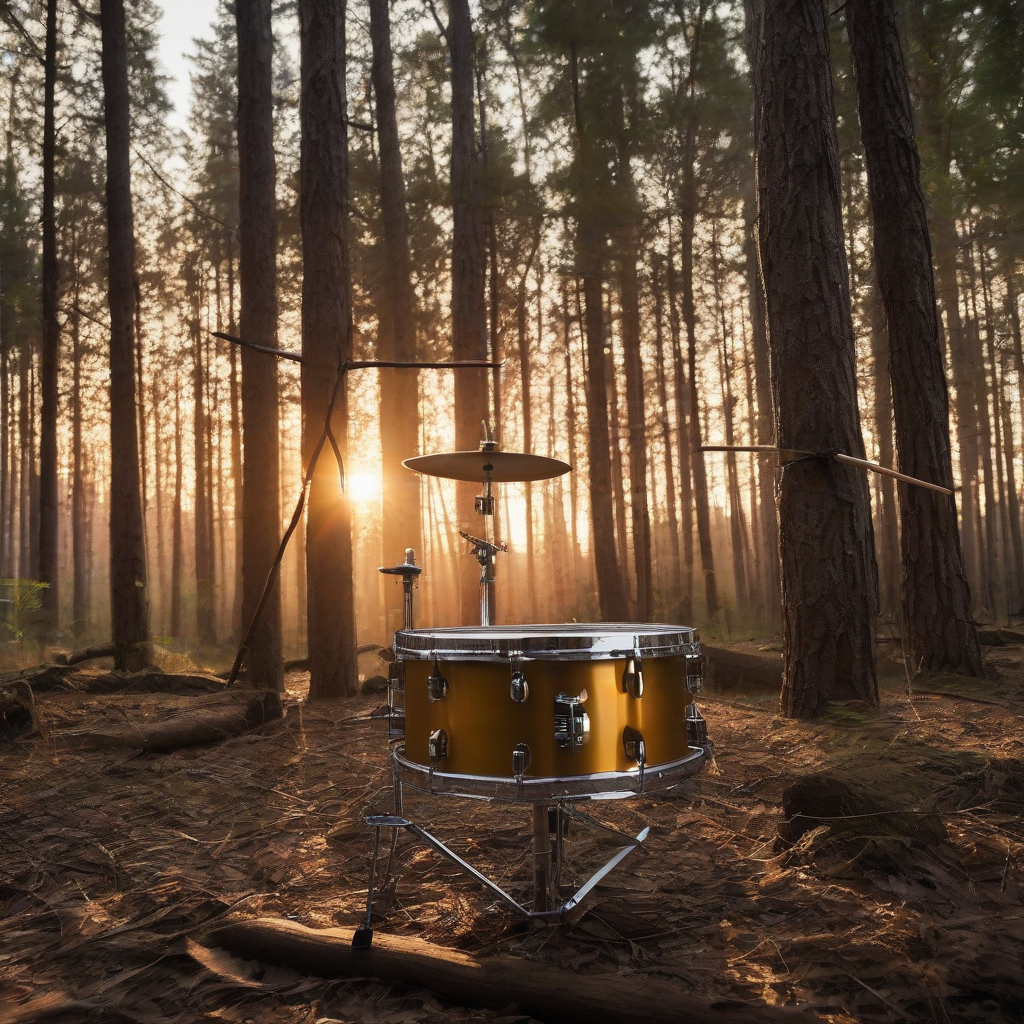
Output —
(364, 488)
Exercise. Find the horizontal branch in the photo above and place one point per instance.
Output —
(279, 352)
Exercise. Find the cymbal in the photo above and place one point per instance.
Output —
(505, 467)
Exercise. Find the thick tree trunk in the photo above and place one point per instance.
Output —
(26, 470)
(525, 376)
(629, 292)
(469, 264)
(50, 351)
(237, 489)
(257, 271)
(611, 589)
(129, 601)
(936, 595)
(399, 389)
(326, 344)
(828, 570)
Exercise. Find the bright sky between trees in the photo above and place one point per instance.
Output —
(182, 21)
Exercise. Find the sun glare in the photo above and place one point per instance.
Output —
(364, 488)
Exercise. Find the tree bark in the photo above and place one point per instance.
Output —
(50, 350)
(629, 292)
(129, 601)
(79, 540)
(936, 596)
(611, 590)
(828, 571)
(687, 220)
(674, 610)
(494, 982)
(205, 628)
(469, 264)
(399, 389)
(326, 344)
(176, 532)
(682, 396)
(257, 271)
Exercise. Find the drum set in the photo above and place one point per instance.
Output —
(545, 715)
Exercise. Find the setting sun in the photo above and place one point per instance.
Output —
(364, 488)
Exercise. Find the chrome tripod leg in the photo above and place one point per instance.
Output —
(362, 938)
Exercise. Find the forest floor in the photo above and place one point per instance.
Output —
(111, 862)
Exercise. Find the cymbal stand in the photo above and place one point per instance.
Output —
(484, 548)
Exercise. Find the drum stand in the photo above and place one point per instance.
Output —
(545, 817)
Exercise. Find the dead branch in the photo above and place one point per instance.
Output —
(208, 724)
(107, 650)
(491, 982)
(728, 669)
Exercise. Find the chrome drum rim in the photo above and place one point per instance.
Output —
(599, 786)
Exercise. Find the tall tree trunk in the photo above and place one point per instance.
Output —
(48, 522)
(257, 271)
(618, 475)
(828, 570)
(469, 308)
(682, 398)
(936, 595)
(6, 504)
(27, 468)
(206, 632)
(889, 569)
(525, 376)
(176, 530)
(737, 528)
(687, 219)
(570, 429)
(237, 491)
(326, 344)
(79, 535)
(674, 603)
(611, 590)
(629, 292)
(129, 600)
(399, 389)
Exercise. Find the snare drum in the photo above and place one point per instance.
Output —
(548, 711)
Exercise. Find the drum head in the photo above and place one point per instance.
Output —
(570, 641)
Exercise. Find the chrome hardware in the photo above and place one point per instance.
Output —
(633, 745)
(409, 571)
(437, 746)
(437, 685)
(520, 759)
(567, 641)
(572, 723)
(696, 727)
(396, 711)
(633, 676)
(694, 663)
(484, 504)
(519, 688)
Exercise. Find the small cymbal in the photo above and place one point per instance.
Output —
(505, 467)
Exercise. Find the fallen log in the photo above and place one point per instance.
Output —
(107, 650)
(727, 670)
(17, 713)
(492, 982)
(66, 679)
(209, 723)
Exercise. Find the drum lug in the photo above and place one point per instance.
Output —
(696, 727)
(437, 685)
(633, 745)
(519, 688)
(572, 723)
(633, 676)
(520, 758)
(437, 746)
(694, 670)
